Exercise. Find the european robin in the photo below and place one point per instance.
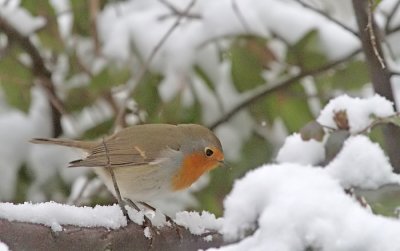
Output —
(151, 160)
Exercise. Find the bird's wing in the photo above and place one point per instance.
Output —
(121, 151)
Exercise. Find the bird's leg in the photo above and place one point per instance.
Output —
(116, 188)
(147, 221)
(167, 218)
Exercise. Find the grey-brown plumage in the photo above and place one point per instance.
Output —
(149, 160)
(136, 145)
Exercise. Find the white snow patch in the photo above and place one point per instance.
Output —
(198, 223)
(14, 146)
(64, 16)
(147, 232)
(359, 111)
(3, 246)
(208, 238)
(20, 18)
(362, 163)
(296, 207)
(55, 215)
(296, 150)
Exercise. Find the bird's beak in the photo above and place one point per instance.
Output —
(224, 164)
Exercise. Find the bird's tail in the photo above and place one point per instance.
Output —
(84, 145)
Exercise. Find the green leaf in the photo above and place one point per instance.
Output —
(99, 130)
(312, 130)
(291, 105)
(108, 78)
(15, 81)
(384, 200)
(200, 72)
(78, 98)
(306, 53)
(395, 120)
(175, 113)
(81, 17)
(247, 63)
(352, 77)
(146, 95)
(335, 143)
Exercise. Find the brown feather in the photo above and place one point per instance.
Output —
(134, 146)
(84, 145)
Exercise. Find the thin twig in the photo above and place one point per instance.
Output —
(267, 89)
(391, 15)
(378, 121)
(393, 30)
(116, 188)
(139, 77)
(80, 194)
(239, 15)
(372, 36)
(394, 73)
(176, 12)
(94, 6)
(333, 20)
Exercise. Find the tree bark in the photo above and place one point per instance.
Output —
(29, 236)
(370, 37)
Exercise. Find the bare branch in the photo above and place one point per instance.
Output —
(378, 121)
(308, 6)
(393, 30)
(241, 18)
(176, 12)
(28, 236)
(380, 77)
(94, 6)
(394, 73)
(139, 77)
(39, 70)
(371, 32)
(267, 89)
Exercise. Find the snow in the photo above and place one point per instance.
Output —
(198, 223)
(64, 16)
(218, 19)
(208, 238)
(291, 205)
(135, 216)
(363, 164)
(300, 207)
(3, 247)
(46, 163)
(20, 18)
(55, 215)
(199, 42)
(295, 205)
(14, 147)
(296, 150)
(359, 111)
(147, 232)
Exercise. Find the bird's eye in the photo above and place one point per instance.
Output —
(208, 152)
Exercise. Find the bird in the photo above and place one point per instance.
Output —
(148, 161)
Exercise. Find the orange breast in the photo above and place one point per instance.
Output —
(192, 168)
